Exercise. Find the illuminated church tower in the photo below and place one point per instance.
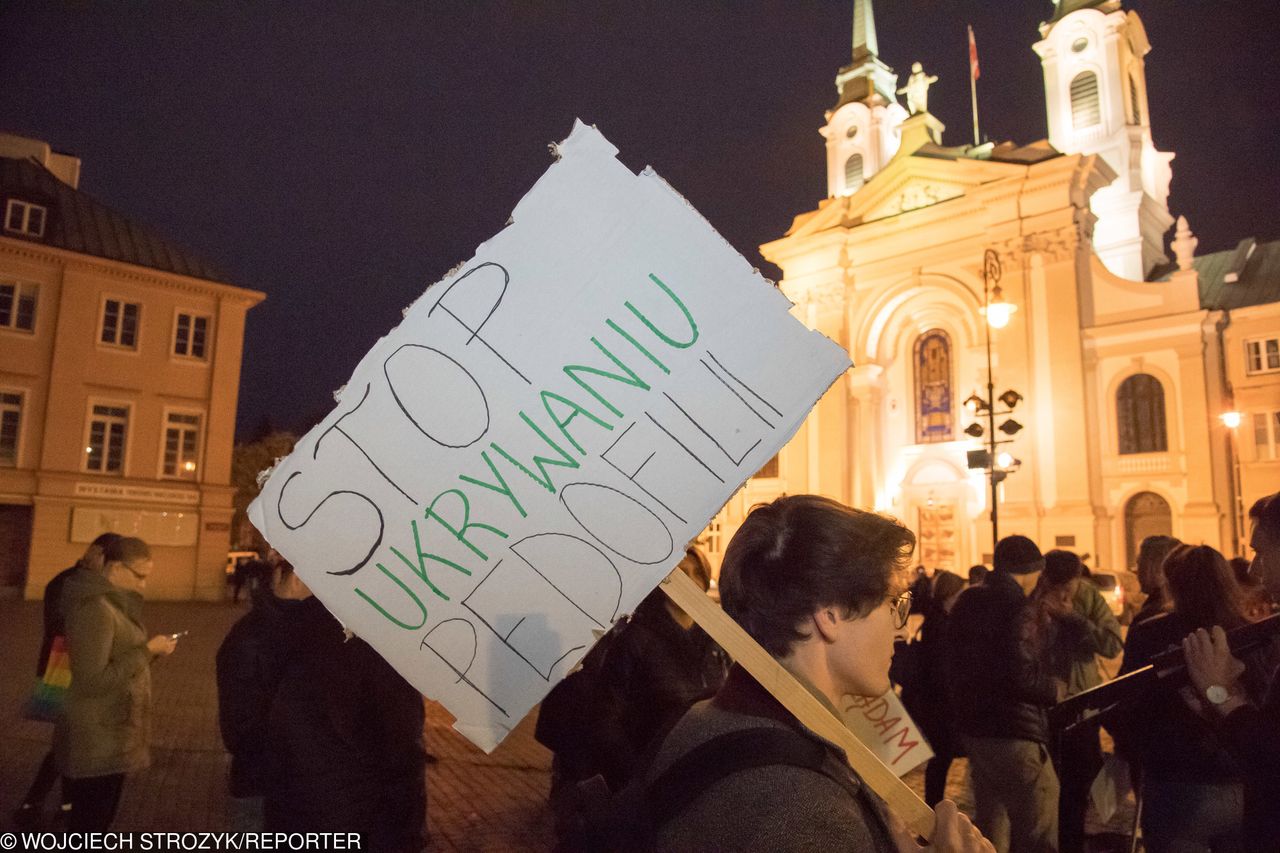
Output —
(1092, 54)
(863, 129)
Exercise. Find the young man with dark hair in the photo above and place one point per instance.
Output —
(819, 586)
(1251, 730)
(1151, 554)
(999, 692)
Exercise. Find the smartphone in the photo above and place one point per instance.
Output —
(179, 634)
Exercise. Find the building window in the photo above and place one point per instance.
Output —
(1134, 104)
(191, 336)
(22, 217)
(853, 174)
(108, 426)
(1266, 435)
(17, 306)
(1140, 415)
(120, 323)
(1261, 356)
(770, 471)
(10, 421)
(934, 420)
(181, 442)
(1085, 110)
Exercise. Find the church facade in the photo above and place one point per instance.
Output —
(1146, 393)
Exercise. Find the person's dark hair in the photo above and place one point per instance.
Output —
(1240, 569)
(1061, 568)
(701, 567)
(977, 574)
(94, 557)
(945, 585)
(1265, 513)
(800, 553)
(1203, 588)
(1151, 554)
(126, 549)
(1017, 555)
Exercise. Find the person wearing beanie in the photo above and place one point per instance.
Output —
(1000, 690)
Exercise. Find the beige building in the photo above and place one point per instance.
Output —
(119, 372)
(1125, 360)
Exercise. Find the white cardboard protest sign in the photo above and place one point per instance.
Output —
(520, 461)
(884, 725)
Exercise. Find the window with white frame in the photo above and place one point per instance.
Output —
(23, 217)
(120, 323)
(17, 306)
(108, 428)
(181, 445)
(10, 422)
(191, 335)
(1262, 355)
(1266, 435)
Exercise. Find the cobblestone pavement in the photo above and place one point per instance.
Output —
(476, 802)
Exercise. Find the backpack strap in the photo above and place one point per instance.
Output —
(696, 771)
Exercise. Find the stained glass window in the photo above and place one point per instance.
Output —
(934, 419)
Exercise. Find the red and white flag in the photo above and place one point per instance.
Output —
(973, 55)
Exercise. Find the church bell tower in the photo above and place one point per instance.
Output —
(1092, 53)
(864, 128)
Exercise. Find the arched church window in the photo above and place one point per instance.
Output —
(1085, 110)
(934, 419)
(1140, 415)
(853, 172)
(1135, 105)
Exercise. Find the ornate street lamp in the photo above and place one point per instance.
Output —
(997, 465)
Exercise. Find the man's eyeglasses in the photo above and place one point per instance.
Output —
(900, 606)
(146, 564)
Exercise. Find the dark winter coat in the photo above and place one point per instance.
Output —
(345, 750)
(775, 808)
(105, 727)
(1163, 735)
(924, 693)
(54, 623)
(1252, 734)
(249, 665)
(998, 687)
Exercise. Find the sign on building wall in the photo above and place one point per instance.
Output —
(520, 461)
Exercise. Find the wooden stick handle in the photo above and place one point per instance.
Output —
(690, 598)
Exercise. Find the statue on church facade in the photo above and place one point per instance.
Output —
(917, 89)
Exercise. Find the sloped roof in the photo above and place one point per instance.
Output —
(1258, 277)
(80, 223)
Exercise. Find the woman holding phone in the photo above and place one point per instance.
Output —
(106, 723)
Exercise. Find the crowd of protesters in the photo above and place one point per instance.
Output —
(660, 743)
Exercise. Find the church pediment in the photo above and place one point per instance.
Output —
(911, 194)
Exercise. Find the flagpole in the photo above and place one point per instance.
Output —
(973, 83)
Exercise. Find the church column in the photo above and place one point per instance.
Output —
(866, 464)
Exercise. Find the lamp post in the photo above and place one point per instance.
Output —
(1231, 420)
(998, 466)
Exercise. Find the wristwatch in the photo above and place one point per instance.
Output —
(1217, 694)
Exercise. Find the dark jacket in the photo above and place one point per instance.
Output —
(924, 691)
(996, 686)
(775, 808)
(1252, 734)
(54, 623)
(345, 750)
(249, 664)
(1164, 736)
(105, 727)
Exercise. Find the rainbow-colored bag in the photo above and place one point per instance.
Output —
(45, 702)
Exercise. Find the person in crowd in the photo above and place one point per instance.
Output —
(1084, 629)
(1192, 787)
(344, 740)
(921, 590)
(105, 728)
(819, 586)
(1246, 725)
(632, 686)
(1258, 603)
(1000, 689)
(978, 574)
(1151, 554)
(249, 665)
(31, 810)
(924, 693)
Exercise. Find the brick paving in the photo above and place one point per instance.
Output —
(476, 802)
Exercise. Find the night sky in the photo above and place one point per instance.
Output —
(342, 156)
